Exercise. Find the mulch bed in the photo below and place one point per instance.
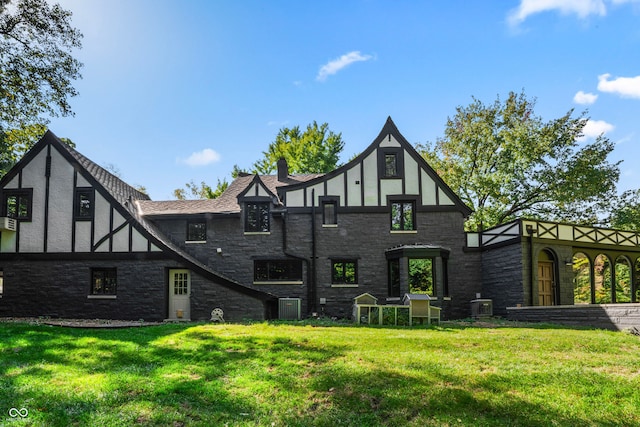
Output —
(80, 323)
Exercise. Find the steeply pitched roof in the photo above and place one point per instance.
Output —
(119, 189)
(390, 128)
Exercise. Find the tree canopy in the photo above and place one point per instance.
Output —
(202, 191)
(37, 70)
(625, 211)
(37, 67)
(505, 162)
(316, 150)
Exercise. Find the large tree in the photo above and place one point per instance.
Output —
(505, 162)
(37, 67)
(625, 211)
(37, 70)
(316, 150)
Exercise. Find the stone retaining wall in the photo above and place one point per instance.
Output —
(604, 316)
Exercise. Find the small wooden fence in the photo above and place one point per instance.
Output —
(400, 315)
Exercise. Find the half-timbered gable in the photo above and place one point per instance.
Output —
(68, 209)
(75, 245)
(388, 168)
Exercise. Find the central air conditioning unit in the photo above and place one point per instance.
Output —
(481, 308)
(289, 308)
(7, 224)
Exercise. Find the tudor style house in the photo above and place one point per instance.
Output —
(77, 242)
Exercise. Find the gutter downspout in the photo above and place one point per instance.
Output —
(314, 273)
(283, 214)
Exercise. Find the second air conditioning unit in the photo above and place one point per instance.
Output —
(7, 224)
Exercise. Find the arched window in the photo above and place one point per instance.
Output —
(582, 279)
(602, 276)
(623, 279)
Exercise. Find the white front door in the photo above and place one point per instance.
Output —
(179, 294)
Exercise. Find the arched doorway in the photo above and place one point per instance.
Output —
(581, 279)
(546, 278)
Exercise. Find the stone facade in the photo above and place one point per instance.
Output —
(503, 277)
(61, 289)
(605, 316)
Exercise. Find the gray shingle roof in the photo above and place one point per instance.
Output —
(226, 203)
(119, 189)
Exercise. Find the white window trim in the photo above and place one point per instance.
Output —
(278, 282)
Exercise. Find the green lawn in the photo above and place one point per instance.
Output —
(288, 375)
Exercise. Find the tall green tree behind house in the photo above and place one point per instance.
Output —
(625, 212)
(316, 150)
(504, 162)
(37, 71)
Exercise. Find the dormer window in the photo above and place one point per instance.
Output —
(256, 217)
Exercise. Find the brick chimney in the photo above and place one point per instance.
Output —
(283, 170)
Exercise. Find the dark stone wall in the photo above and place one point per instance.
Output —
(60, 289)
(237, 307)
(504, 277)
(360, 235)
(606, 316)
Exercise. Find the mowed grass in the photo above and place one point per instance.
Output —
(299, 375)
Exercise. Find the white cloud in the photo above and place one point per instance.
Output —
(585, 98)
(595, 128)
(627, 87)
(332, 67)
(201, 158)
(582, 8)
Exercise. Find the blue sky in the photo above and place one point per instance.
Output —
(179, 91)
